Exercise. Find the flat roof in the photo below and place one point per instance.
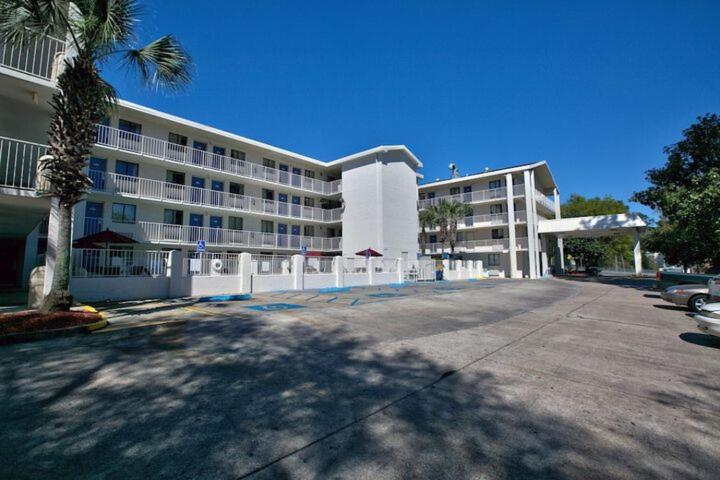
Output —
(593, 226)
(542, 165)
(281, 151)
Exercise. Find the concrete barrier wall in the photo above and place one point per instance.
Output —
(272, 283)
(319, 280)
(96, 289)
(356, 279)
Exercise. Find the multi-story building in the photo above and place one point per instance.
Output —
(503, 211)
(169, 183)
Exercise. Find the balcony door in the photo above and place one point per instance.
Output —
(93, 218)
(215, 225)
(282, 235)
(98, 168)
(467, 193)
(283, 174)
(198, 185)
(296, 177)
(295, 236)
(198, 156)
(217, 188)
(295, 208)
(283, 204)
(196, 221)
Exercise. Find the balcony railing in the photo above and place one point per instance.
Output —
(170, 152)
(91, 226)
(487, 245)
(18, 163)
(474, 197)
(41, 57)
(544, 201)
(170, 192)
(185, 234)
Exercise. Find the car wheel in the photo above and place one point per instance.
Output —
(697, 302)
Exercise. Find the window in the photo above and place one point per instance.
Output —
(235, 223)
(497, 233)
(237, 154)
(173, 217)
(130, 127)
(199, 145)
(236, 188)
(177, 139)
(496, 209)
(267, 226)
(178, 178)
(123, 213)
(454, 190)
(309, 230)
(495, 184)
(127, 168)
(268, 194)
(219, 150)
(309, 174)
(309, 202)
(493, 260)
(268, 163)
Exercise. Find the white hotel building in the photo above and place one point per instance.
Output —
(167, 183)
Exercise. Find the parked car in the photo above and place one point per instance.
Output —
(714, 289)
(666, 278)
(693, 296)
(708, 319)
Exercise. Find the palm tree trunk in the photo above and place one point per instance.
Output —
(59, 297)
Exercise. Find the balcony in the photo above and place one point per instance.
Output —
(544, 201)
(41, 58)
(19, 163)
(477, 196)
(489, 220)
(148, 189)
(187, 235)
(114, 138)
(477, 246)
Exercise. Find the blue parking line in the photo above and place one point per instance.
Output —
(308, 299)
(354, 302)
(332, 299)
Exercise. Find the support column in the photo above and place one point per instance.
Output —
(556, 196)
(400, 270)
(298, 272)
(544, 257)
(536, 219)
(178, 282)
(371, 270)
(339, 270)
(511, 225)
(637, 254)
(561, 254)
(245, 271)
(529, 200)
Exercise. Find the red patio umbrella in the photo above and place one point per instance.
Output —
(106, 237)
(368, 252)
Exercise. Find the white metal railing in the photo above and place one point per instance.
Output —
(91, 262)
(170, 192)
(41, 57)
(163, 150)
(474, 197)
(271, 264)
(488, 220)
(544, 201)
(492, 245)
(211, 264)
(19, 163)
(314, 265)
(185, 234)
(355, 265)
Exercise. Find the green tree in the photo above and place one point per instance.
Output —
(427, 219)
(686, 194)
(592, 251)
(98, 32)
(442, 213)
(455, 211)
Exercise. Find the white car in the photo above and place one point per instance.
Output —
(708, 319)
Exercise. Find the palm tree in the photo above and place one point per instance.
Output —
(455, 211)
(97, 32)
(427, 219)
(442, 209)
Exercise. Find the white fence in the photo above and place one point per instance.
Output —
(146, 188)
(41, 57)
(313, 265)
(90, 262)
(271, 264)
(160, 149)
(216, 264)
(19, 163)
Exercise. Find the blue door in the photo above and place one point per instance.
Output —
(217, 158)
(296, 177)
(295, 237)
(295, 209)
(93, 217)
(217, 187)
(282, 204)
(197, 193)
(98, 167)
(196, 220)
(283, 175)
(282, 235)
(215, 226)
(199, 152)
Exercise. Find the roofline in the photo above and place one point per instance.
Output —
(519, 168)
(255, 143)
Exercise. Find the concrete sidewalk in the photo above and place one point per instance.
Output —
(544, 379)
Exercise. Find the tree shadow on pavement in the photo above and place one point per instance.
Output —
(227, 398)
(701, 339)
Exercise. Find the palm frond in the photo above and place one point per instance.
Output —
(162, 63)
(24, 20)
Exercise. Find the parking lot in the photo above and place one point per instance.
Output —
(486, 379)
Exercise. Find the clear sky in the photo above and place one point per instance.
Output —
(595, 88)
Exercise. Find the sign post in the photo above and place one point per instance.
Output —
(200, 246)
(303, 250)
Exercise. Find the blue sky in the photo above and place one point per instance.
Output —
(596, 88)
